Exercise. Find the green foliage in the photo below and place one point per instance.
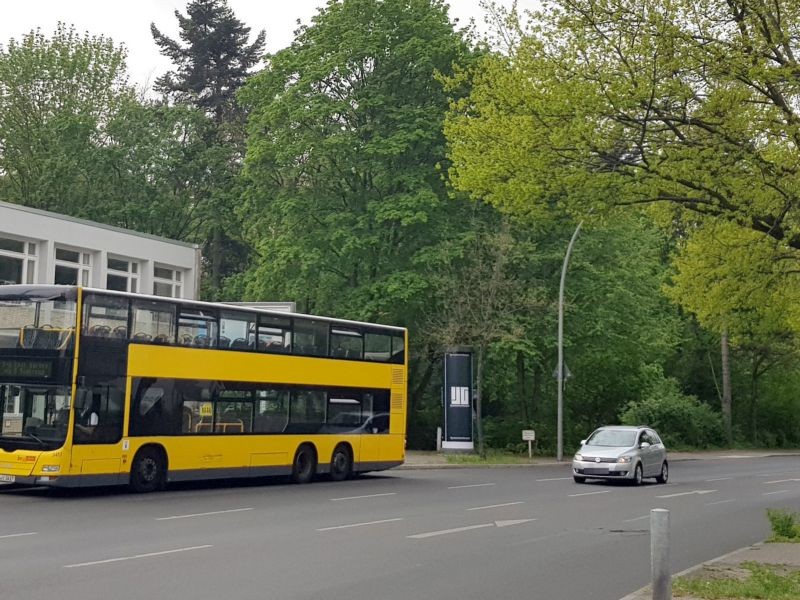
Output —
(681, 420)
(211, 67)
(214, 63)
(785, 525)
(345, 135)
(764, 582)
(59, 96)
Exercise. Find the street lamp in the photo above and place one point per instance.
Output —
(560, 366)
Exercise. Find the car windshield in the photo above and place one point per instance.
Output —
(612, 437)
(34, 417)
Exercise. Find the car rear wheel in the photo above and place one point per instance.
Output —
(637, 475)
(662, 478)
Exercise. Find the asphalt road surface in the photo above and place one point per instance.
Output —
(483, 534)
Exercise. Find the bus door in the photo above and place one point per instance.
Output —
(97, 429)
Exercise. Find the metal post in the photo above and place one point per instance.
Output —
(560, 367)
(438, 439)
(659, 554)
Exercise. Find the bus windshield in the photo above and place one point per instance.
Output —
(34, 417)
(37, 322)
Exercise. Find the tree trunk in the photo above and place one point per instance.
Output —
(479, 400)
(753, 388)
(216, 256)
(521, 391)
(727, 413)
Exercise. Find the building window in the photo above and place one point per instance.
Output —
(17, 261)
(72, 267)
(167, 282)
(122, 275)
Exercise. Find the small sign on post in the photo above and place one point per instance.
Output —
(529, 435)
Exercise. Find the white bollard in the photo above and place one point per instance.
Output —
(438, 439)
(659, 554)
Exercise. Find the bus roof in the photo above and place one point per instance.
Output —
(70, 292)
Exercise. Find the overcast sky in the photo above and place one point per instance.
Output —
(128, 22)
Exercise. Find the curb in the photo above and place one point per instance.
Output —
(645, 592)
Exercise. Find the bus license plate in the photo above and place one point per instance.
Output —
(7, 479)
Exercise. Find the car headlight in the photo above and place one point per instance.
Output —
(578, 457)
(624, 459)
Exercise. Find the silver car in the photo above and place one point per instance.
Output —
(621, 452)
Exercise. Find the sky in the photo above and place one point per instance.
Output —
(128, 22)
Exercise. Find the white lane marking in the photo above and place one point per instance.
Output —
(636, 519)
(136, 556)
(589, 493)
(512, 522)
(781, 481)
(692, 493)
(459, 487)
(13, 535)
(360, 524)
(555, 479)
(719, 479)
(777, 492)
(495, 505)
(205, 514)
(367, 496)
(720, 502)
(420, 536)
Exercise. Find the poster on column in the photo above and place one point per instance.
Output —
(457, 401)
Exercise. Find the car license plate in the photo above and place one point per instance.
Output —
(7, 478)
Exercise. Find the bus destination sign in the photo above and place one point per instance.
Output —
(27, 369)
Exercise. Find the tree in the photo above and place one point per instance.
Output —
(345, 136)
(685, 103)
(212, 66)
(215, 62)
(58, 97)
(483, 299)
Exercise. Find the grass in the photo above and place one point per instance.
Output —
(763, 582)
(493, 457)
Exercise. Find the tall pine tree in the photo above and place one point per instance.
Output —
(213, 60)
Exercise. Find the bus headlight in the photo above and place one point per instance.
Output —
(51, 468)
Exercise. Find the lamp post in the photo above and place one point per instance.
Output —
(560, 366)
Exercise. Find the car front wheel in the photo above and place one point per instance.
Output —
(637, 475)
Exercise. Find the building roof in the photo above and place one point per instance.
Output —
(59, 216)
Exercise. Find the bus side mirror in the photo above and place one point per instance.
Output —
(81, 398)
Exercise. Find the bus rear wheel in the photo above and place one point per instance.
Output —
(341, 463)
(305, 464)
(148, 471)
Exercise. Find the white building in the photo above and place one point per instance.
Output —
(38, 246)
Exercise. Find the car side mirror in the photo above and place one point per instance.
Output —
(644, 445)
(583, 442)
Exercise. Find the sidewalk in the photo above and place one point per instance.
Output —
(420, 459)
(729, 566)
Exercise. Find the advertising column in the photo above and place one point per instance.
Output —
(457, 401)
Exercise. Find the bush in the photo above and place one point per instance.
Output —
(680, 419)
(784, 524)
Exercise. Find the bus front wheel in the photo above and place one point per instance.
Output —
(148, 471)
(305, 464)
(341, 463)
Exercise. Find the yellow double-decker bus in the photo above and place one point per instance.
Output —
(104, 388)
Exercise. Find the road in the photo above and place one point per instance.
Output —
(478, 533)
